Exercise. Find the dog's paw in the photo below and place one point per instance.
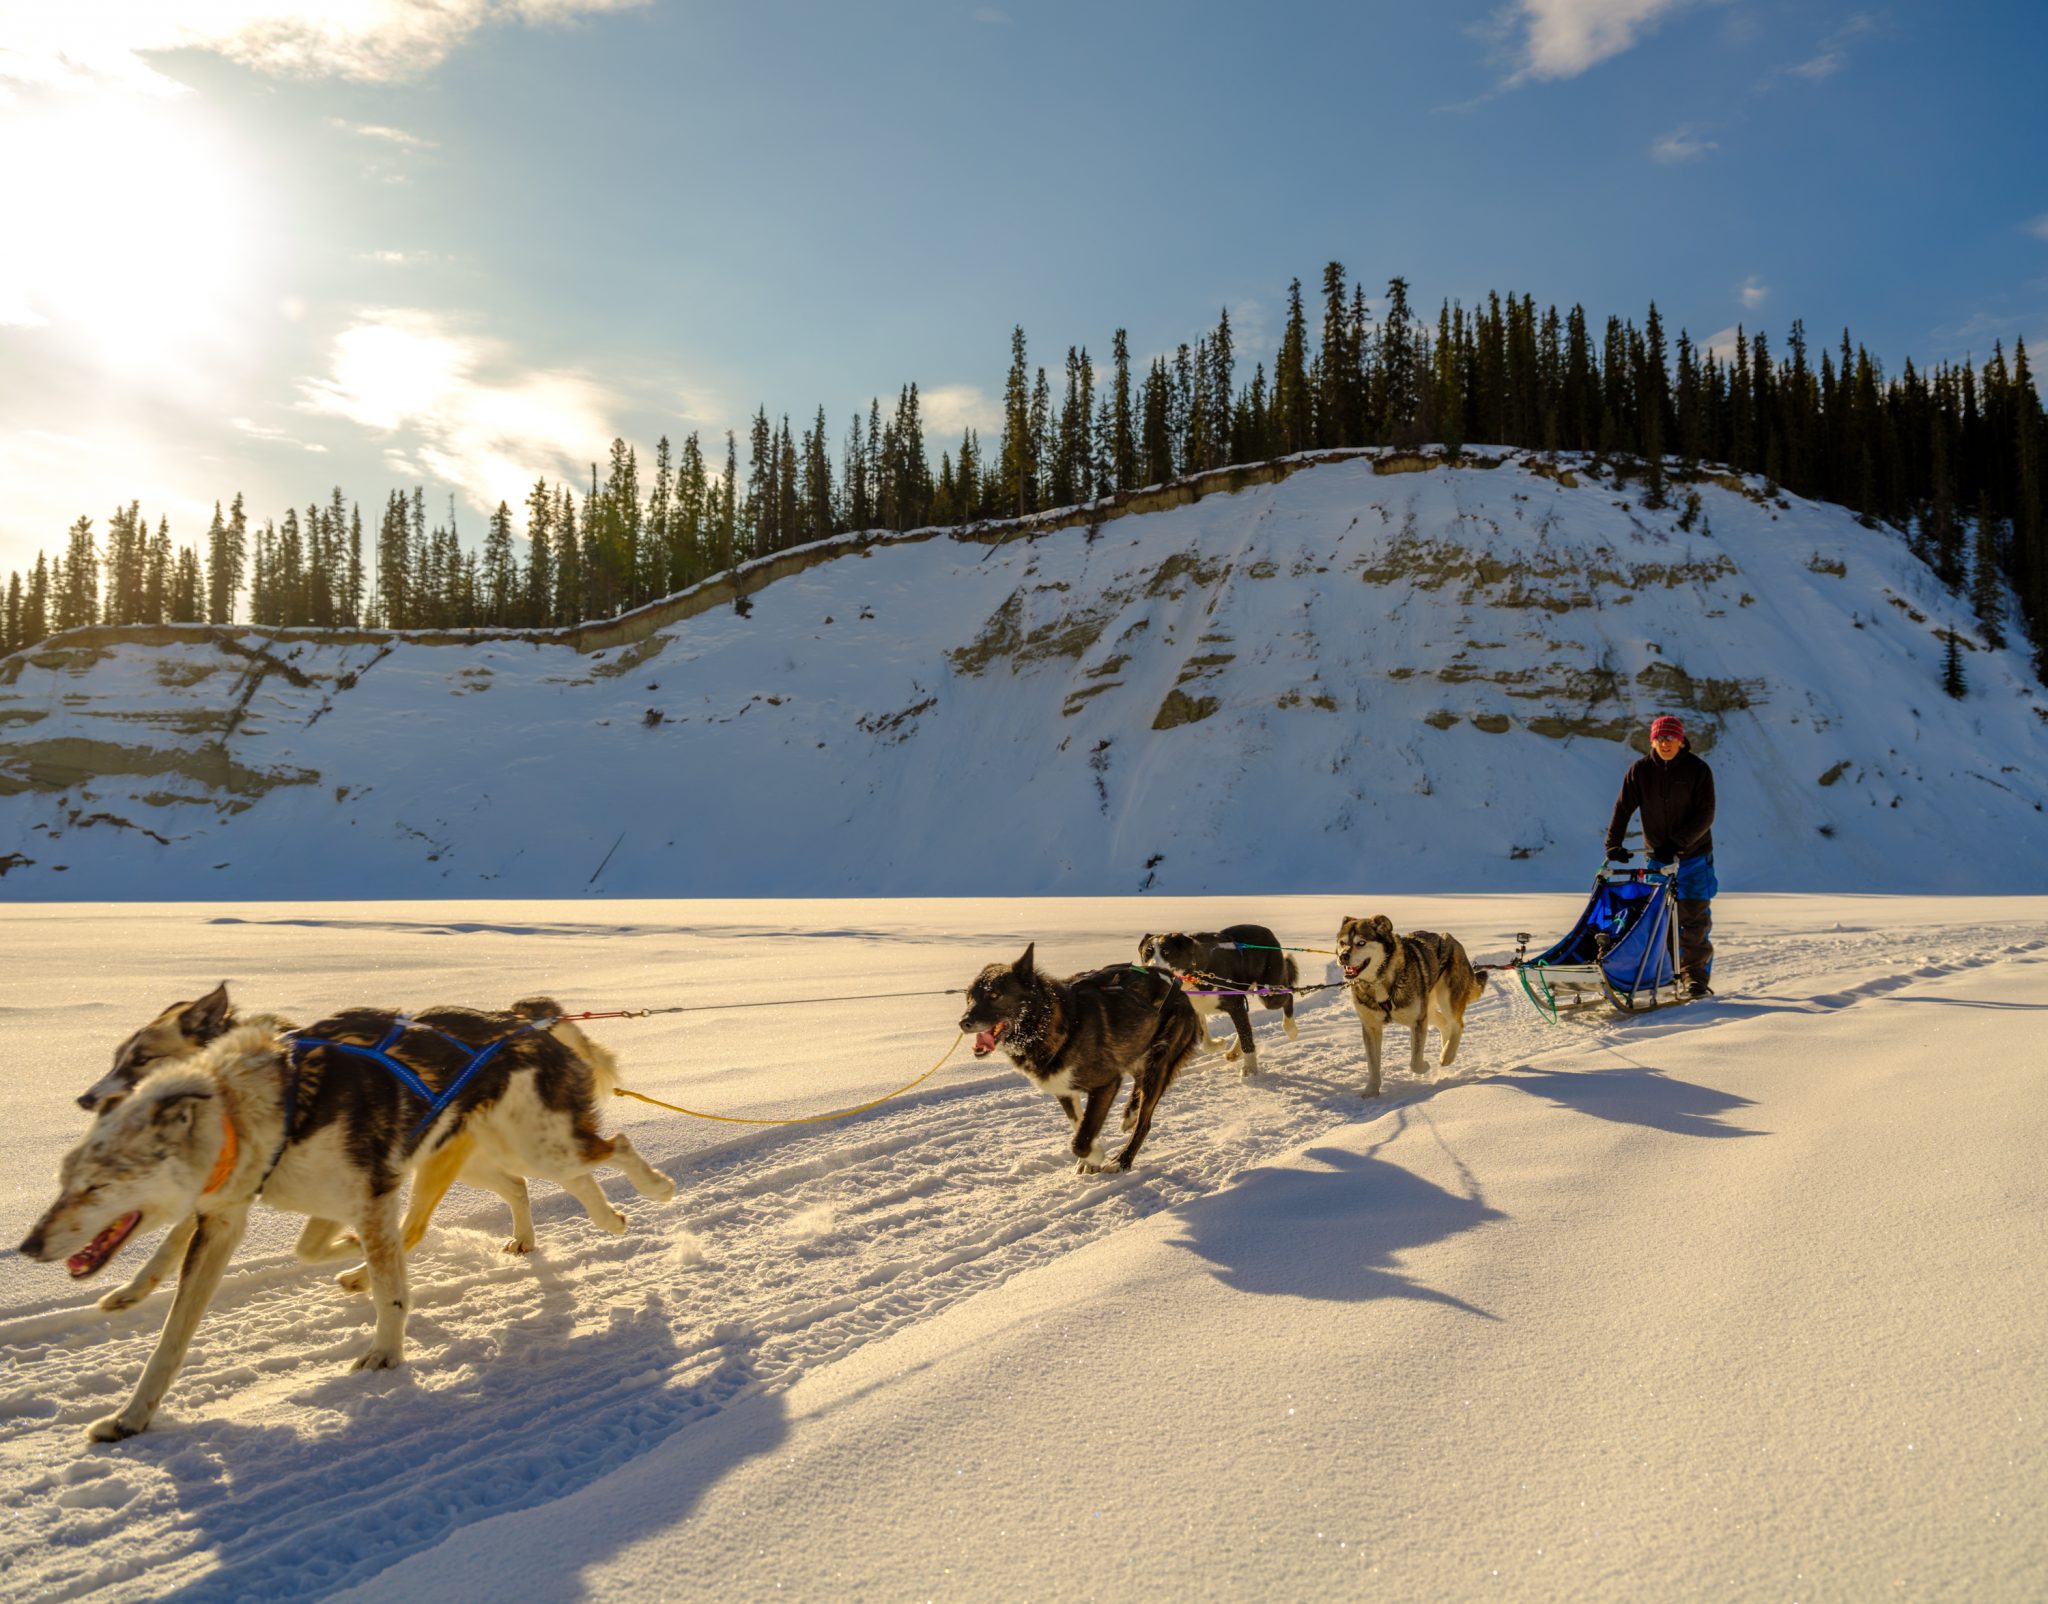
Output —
(664, 1193)
(356, 1280)
(380, 1358)
(126, 1297)
(515, 1245)
(1090, 1166)
(1293, 1034)
(1250, 1066)
(1233, 1053)
(614, 1223)
(115, 1428)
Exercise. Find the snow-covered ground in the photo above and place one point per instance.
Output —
(1421, 681)
(1744, 1300)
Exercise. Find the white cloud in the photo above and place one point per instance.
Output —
(2039, 227)
(466, 413)
(947, 409)
(393, 136)
(1754, 292)
(1681, 145)
(71, 44)
(1563, 38)
(1722, 343)
(271, 435)
(1832, 57)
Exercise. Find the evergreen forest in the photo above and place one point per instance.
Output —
(1953, 457)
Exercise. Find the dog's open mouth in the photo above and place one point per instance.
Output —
(985, 1043)
(1349, 972)
(92, 1258)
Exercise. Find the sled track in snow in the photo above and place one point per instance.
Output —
(530, 1378)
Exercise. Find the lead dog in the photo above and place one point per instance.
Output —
(182, 1029)
(1244, 956)
(314, 1131)
(1078, 1038)
(1416, 980)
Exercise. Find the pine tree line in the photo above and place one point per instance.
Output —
(1957, 457)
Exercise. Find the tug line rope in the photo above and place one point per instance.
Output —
(800, 1119)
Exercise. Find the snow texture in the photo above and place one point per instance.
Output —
(1741, 1300)
(1413, 680)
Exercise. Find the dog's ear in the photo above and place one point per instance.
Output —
(1383, 925)
(176, 1111)
(205, 1019)
(1025, 967)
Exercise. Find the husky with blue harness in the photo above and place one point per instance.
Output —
(327, 1122)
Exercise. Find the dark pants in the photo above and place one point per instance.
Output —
(1695, 948)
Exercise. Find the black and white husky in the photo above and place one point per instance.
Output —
(314, 1131)
(1080, 1037)
(1243, 956)
(1415, 980)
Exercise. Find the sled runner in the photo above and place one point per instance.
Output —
(1624, 947)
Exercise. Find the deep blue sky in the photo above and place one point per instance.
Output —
(470, 244)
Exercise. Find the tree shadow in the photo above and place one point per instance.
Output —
(1638, 1094)
(1332, 1233)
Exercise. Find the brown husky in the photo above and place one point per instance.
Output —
(1079, 1037)
(1417, 980)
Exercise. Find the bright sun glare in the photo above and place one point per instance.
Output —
(130, 230)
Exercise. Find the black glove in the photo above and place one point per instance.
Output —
(1619, 855)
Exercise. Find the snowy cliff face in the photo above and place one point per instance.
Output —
(1375, 674)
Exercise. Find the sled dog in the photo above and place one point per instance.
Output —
(1078, 1038)
(1239, 955)
(182, 1029)
(319, 1132)
(1415, 980)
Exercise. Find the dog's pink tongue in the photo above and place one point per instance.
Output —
(90, 1257)
(985, 1043)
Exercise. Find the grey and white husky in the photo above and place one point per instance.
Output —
(1416, 980)
(1080, 1037)
(316, 1132)
(1246, 956)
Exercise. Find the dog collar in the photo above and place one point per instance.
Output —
(224, 1166)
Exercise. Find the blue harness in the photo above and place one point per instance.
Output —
(381, 1054)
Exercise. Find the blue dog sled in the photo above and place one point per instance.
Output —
(1624, 948)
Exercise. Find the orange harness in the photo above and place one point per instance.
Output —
(224, 1166)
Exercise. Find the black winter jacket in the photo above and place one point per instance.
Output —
(1677, 804)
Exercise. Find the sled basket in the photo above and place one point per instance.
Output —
(1624, 948)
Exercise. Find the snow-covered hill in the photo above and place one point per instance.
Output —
(1380, 672)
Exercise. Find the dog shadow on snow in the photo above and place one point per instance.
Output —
(1330, 1233)
(392, 1465)
(1633, 1094)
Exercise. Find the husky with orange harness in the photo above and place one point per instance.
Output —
(325, 1122)
(182, 1029)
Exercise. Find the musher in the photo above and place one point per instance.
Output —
(1674, 790)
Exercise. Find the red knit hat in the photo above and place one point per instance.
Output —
(1664, 726)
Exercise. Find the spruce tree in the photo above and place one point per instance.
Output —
(1987, 584)
(1952, 680)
